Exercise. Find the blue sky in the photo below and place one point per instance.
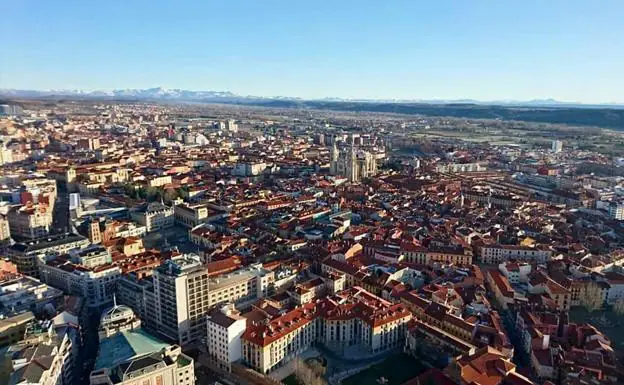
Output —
(569, 50)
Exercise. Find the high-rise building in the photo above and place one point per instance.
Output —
(557, 146)
(616, 211)
(354, 164)
(185, 289)
(231, 126)
(8, 109)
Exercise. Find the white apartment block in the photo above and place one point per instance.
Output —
(515, 272)
(459, 167)
(495, 254)
(97, 285)
(225, 328)
(616, 211)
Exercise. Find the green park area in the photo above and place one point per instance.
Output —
(607, 321)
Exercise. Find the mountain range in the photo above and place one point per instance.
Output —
(167, 94)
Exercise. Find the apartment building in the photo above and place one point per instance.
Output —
(25, 254)
(225, 328)
(185, 290)
(352, 319)
(137, 292)
(47, 355)
(21, 293)
(456, 255)
(541, 283)
(500, 287)
(30, 221)
(154, 216)
(96, 284)
(495, 254)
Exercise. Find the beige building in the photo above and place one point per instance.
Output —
(185, 291)
(30, 221)
(354, 164)
(194, 215)
(45, 356)
(352, 319)
(154, 216)
(5, 229)
(495, 254)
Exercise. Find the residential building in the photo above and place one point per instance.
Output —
(194, 215)
(5, 230)
(25, 254)
(500, 287)
(515, 272)
(96, 284)
(616, 211)
(30, 221)
(556, 146)
(352, 319)
(21, 293)
(495, 254)
(185, 289)
(223, 340)
(486, 366)
(47, 355)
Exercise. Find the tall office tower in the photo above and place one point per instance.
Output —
(557, 146)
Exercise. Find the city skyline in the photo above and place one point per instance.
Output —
(567, 51)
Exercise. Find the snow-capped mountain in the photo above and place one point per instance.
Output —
(157, 93)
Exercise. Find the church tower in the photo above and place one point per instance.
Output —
(334, 155)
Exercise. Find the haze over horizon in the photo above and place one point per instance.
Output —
(483, 50)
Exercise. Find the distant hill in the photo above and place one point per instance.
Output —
(542, 111)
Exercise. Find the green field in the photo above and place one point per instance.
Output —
(396, 369)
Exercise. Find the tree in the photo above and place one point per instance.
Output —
(170, 195)
(618, 307)
(306, 375)
(153, 194)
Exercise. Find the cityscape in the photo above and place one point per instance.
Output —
(149, 243)
(350, 192)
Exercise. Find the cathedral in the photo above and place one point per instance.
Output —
(353, 163)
